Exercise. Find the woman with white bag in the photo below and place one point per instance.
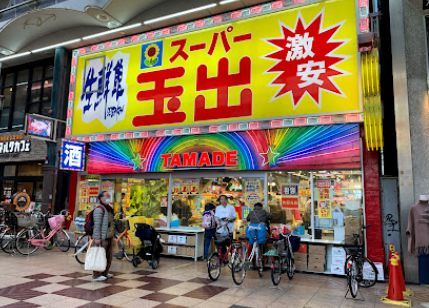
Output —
(103, 232)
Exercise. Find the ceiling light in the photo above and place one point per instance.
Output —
(227, 1)
(200, 8)
(18, 55)
(56, 45)
(6, 52)
(112, 31)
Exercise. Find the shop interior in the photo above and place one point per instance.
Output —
(321, 206)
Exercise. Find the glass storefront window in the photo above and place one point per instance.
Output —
(289, 200)
(338, 205)
(147, 198)
(190, 196)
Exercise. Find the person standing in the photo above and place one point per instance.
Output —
(225, 211)
(103, 232)
(209, 225)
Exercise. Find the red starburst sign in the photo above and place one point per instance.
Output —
(306, 59)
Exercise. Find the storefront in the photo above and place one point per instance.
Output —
(21, 162)
(167, 131)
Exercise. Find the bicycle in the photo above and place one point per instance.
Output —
(354, 267)
(226, 253)
(28, 241)
(123, 240)
(244, 260)
(282, 260)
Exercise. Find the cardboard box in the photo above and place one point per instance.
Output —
(337, 251)
(301, 266)
(190, 251)
(318, 268)
(316, 250)
(317, 259)
(337, 269)
(352, 226)
(164, 237)
(190, 241)
(300, 256)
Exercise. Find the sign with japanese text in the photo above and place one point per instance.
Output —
(290, 63)
(72, 156)
(14, 144)
(290, 202)
(290, 190)
(324, 208)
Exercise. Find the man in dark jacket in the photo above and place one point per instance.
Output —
(259, 215)
(103, 232)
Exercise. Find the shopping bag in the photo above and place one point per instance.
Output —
(95, 259)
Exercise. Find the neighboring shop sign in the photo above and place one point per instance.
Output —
(21, 201)
(426, 4)
(318, 147)
(40, 126)
(17, 147)
(72, 155)
(288, 63)
(14, 144)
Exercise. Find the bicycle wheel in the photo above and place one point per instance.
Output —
(352, 274)
(290, 266)
(371, 274)
(23, 244)
(126, 249)
(62, 240)
(259, 260)
(239, 268)
(214, 266)
(7, 241)
(276, 271)
(80, 249)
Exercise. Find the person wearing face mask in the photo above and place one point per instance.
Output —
(104, 230)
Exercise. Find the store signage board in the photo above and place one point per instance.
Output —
(14, 144)
(40, 126)
(304, 148)
(72, 156)
(425, 4)
(260, 63)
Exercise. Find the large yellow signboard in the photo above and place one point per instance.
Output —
(301, 61)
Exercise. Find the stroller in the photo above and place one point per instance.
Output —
(151, 247)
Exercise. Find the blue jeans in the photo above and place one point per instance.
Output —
(209, 234)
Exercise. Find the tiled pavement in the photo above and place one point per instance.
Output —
(52, 279)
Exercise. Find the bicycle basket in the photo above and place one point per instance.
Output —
(25, 220)
(295, 241)
(353, 250)
(222, 240)
(56, 221)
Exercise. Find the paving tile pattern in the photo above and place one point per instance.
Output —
(53, 279)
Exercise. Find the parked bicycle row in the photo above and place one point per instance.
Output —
(25, 233)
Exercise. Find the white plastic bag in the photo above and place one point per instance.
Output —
(95, 259)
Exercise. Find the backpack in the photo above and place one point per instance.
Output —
(209, 221)
(89, 221)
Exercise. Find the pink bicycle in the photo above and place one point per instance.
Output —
(28, 241)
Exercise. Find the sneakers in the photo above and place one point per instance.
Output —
(100, 278)
(109, 276)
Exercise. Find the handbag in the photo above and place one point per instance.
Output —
(95, 259)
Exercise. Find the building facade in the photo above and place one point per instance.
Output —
(263, 104)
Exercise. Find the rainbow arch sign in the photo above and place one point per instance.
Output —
(303, 148)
